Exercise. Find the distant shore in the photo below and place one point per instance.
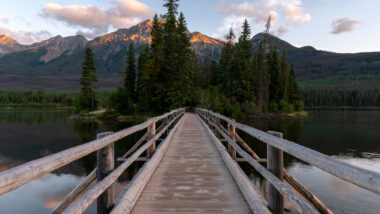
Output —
(342, 108)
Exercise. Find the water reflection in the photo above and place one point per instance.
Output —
(28, 134)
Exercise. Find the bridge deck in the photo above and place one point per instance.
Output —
(191, 177)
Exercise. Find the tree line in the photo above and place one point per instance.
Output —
(35, 99)
(341, 97)
(166, 74)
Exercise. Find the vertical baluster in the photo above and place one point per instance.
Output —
(275, 164)
(105, 165)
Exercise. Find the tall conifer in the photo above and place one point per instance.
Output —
(241, 75)
(87, 99)
(130, 74)
(276, 83)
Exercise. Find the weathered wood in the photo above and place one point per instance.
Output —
(362, 177)
(139, 181)
(306, 193)
(191, 178)
(242, 143)
(275, 164)
(74, 193)
(151, 134)
(18, 176)
(105, 165)
(232, 134)
(244, 160)
(254, 199)
(284, 188)
(93, 193)
(140, 141)
(287, 176)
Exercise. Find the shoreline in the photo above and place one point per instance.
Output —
(343, 108)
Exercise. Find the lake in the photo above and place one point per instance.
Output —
(27, 134)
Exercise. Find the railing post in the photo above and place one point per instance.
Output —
(105, 165)
(232, 133)
(151, 134)
(275, 164)
(217, 122)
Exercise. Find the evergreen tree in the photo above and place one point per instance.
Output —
(276, 83)
(155, 71)
(293, 91)
(284, 66)
(240, 76)
(261, 77)
(130, 74)
(170, 41)
(86, 99)
(143, 81)
(213, 73)
(181, 79)
(225, 61)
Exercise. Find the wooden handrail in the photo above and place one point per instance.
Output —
(74, 193)
(81, 204)
(256, 202)
(362, 177)
(283, 187)
(25, 173)
(136, 186)
(317, 203)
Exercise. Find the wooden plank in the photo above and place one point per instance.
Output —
(93, 193)
(256, 202)
(275, 164)
(139, 181)
(74, 193)
(18, 176)
(367, 179)
(301, 204)
(105, 162)
(191, 178)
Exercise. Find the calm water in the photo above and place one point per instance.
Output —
(27, 134)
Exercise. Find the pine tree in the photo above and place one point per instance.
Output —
(213, 73)
(276, 83)
(225, 61)
(181, 79)
(86, 99)
(240, 76)
(143, 81)
(293, 91)
(130, 74)
(261, 77)
(155, 68)
(170, 41)
(284, 67)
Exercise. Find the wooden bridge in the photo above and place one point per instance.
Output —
(191, 166)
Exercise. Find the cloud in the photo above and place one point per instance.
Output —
(4, 20)
(289, 12)
(344, 25)
(296, 14)
(25, 37)
(97, 20)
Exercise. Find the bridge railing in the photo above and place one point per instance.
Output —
(274, 173)
(25, 173)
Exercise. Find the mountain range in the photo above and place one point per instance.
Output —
(55, 64)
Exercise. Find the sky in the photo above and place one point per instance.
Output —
(332, 25)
